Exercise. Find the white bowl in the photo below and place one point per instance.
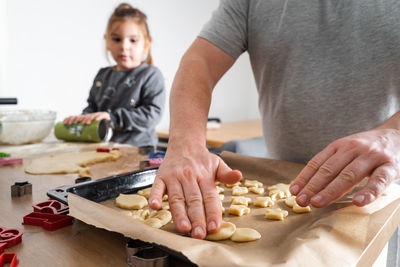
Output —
(25, 126)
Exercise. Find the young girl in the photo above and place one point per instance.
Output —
(130, 95)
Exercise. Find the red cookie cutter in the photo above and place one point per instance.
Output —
(9, 238)
(155, 162)
(10, 258)
(9, 161)
(48, 221)
(106, 149)
(51, 207)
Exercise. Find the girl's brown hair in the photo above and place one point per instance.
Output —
(125, 11)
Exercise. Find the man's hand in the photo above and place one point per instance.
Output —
(189, 179)
(87, 118)
(345, 163)
(189, 170)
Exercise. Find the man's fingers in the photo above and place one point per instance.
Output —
(177, 204)
(310, 169)
(212, 205)
(376, 185)
(194, 206)
(350, 176)
(226, 175)
(157, 193)
(324, 175)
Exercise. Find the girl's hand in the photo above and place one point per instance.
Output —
(88, 118)
(71, 119)
(97, 116)
(345, 163)
(188, 175)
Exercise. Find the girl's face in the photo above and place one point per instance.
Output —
(127, 44)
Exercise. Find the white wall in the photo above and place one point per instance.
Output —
(55, 48)
(3, 47)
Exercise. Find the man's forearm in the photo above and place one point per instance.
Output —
(190, 101)
(200, 69)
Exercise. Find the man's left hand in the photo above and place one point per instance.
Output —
(346, 162)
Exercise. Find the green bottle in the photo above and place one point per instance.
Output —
(97, 131)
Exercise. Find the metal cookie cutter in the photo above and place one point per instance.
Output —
(21, 188)
(141, 254)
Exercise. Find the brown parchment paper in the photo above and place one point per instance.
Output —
(338, 235)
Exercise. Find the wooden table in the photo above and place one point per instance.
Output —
(76, 245)
(227, 132)
(81, 244)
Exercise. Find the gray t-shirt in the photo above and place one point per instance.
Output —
(135, 100)
(323, 69)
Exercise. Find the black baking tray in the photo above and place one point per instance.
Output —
(107, 188)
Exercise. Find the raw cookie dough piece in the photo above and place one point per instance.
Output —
(222, 208)
(263, 202)
(239, 191)
(290, 201)
(279, 191)
(238, 210)
(257, 190)
(163, 215)
(245, 235)
(245, 201)
(253, 183)
(140, 215)
(144, 192)
(225, 231)
(299, 209)
(153, 222)
(217, 183)
(132, 202)
(84, 172)
(220, 190)
(233, 185)
(275, 214)
(277, 195)
(72, 162)
(165, 206)
(221, 197)
(158, 219)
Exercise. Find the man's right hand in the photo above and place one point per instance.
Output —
(188, 176)
(189, 171)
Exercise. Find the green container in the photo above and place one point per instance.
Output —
(97, 131)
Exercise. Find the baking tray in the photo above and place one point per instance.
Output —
(109, 188)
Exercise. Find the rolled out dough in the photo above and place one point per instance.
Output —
(72, 162)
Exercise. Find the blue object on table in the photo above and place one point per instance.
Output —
(156, 155)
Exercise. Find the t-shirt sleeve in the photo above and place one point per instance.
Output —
(227, 27)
